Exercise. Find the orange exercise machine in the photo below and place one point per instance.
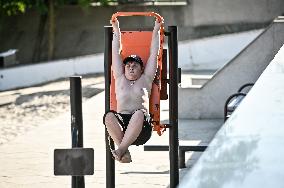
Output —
(138, 42)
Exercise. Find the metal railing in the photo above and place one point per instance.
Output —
(141, 2)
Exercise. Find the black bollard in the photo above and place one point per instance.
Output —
(76, 122)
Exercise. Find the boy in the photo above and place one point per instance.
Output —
(131, 125)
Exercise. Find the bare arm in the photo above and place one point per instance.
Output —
(151, 66)
(116, 58)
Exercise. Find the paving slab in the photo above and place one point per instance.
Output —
(27, 161)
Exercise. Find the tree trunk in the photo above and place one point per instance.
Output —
(51, 29)
(37, 54)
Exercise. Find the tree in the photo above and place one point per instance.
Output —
(51, 29)
(47, 10)
(12, 7)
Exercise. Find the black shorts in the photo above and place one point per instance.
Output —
(124, 119)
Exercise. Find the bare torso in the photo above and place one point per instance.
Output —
(132, 95)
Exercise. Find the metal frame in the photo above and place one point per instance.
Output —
(239, 97)
(173, 106)
(244, 86)
(145, 2)
(182, 150)
(110, 165)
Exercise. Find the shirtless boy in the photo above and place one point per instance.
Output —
(130, 125)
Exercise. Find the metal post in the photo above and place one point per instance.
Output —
(76, 122)
(164, 80)
(173, 106)
(110, 165)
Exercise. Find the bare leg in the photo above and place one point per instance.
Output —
(113, 128)
(132, 132)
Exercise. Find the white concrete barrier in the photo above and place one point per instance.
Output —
(246, 67)
(29, 75)
(248, 149)
(212, 53)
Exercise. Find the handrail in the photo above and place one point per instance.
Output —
(158, 17)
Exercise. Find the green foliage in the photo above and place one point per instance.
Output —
(14, 7)
(104, 2)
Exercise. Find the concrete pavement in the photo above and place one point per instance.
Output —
(27, 161)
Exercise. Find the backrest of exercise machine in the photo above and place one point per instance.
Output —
(138, 42)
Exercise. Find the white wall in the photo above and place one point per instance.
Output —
(213, 53)
(208, 53)
(219, 12)
(40, 73)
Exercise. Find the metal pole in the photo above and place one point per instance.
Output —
(110, 165)
(173, 106)
(76, 122)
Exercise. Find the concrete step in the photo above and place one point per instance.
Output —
(196, 79)
(200, 79)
